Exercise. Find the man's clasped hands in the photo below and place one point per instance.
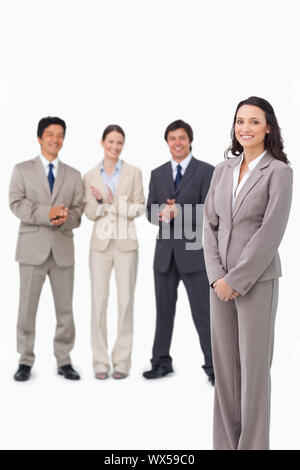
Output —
(221, 288)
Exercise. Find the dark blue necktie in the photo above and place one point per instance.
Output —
(51, 178)
(178, 176)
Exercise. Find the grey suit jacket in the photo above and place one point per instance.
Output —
(30, 200)
(241, 245)
(191, 191)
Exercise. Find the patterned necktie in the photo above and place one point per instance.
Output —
(51, 178)
(178, 176)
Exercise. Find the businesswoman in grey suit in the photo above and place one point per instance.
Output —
(246, 212)
(113, 198)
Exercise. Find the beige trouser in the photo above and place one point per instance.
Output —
(242, 342)
(32, 279)
(125, 265)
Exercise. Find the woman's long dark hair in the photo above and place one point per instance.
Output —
(273, 140)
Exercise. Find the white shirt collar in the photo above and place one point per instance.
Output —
(183, 164)
(117, 167)
(254, 162)
(46, 162)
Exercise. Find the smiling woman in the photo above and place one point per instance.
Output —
(255, 126)
(105, 186)
(251, 128)
(247, 207)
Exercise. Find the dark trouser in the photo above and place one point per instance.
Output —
(197, 287)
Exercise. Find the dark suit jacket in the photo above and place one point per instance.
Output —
(191, 190)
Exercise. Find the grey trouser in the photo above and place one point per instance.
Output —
(242, 344)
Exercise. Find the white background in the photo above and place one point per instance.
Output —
(139, 64)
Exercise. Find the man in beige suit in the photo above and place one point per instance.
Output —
(47, 196)
(113, 199)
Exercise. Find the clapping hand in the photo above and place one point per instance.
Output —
(58, 215)
(96, 193)
(169, 211)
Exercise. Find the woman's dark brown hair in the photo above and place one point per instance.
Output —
(111, 128)
(273, 140)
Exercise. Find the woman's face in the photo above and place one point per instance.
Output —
(251, 127)
(113, 145)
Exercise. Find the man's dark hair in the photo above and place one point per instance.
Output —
(179, 124)
(47, 121)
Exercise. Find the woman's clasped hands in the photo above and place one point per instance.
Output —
(224, 291)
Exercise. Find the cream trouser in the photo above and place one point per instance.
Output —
(125, 266)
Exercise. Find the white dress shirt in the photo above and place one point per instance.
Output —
(183, 165)
(236, 187)
(46, 162)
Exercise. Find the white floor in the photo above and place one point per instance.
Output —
(175, 412)
(49, 412)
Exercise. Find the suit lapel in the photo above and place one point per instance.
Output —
(168, 179)
(254, 177)
(227, 186)
(40, 171)
(98, 182)
(125, 173)
(61, 171)
(189, 172)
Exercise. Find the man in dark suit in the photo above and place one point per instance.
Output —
(176, 196)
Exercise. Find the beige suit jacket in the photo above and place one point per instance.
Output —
(30, 200)
(116, 220)
(241, 245)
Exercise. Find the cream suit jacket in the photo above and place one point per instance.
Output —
(30, 200)
(241, 244)
(116, 220)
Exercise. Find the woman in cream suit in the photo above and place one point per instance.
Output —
(113, 198)
(246, 212)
